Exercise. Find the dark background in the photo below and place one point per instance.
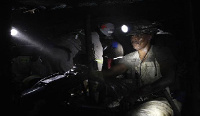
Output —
(51, 19)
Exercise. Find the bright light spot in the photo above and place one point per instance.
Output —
(72, 94)
(117, 57)
(124, 28)
(13, 32)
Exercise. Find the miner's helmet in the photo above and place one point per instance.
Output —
(107, 28)
(143, 27)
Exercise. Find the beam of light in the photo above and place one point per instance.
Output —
(124, 28)
(57, 57)
(22, 37)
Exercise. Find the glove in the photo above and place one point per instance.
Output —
(96, 76)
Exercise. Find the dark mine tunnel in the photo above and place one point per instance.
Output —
(57, 55)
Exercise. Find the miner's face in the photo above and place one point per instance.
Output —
(140, 41)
